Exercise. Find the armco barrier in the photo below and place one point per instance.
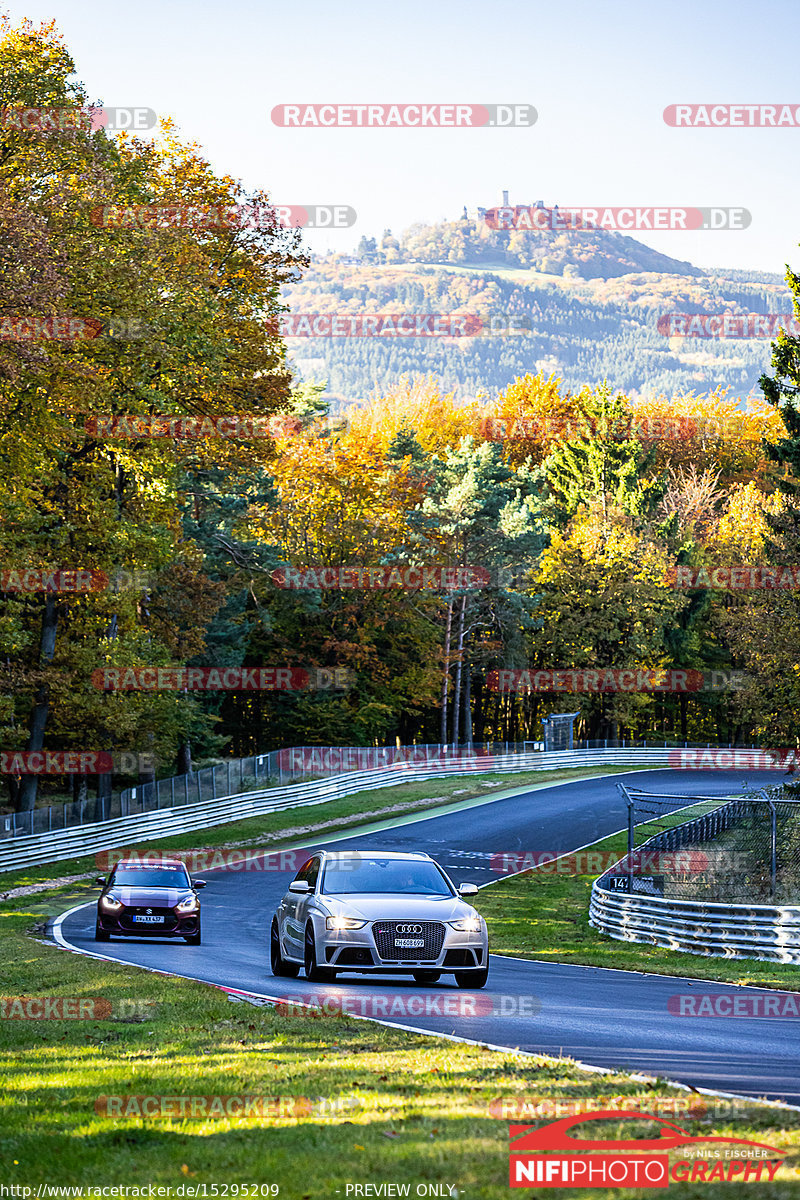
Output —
(766, 931)
(168, 822)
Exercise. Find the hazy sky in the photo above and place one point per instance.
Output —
(599, 75)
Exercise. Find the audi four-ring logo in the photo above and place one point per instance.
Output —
(409, 929)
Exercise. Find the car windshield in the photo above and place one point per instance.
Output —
(384, 875)
(174, 877)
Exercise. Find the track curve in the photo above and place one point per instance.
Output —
(601, 1017)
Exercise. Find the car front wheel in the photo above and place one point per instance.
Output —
(100, 934)
(277, 962)
(472, 979)
(314, 973)
(194, 939)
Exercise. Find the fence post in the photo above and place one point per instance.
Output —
(773, 869)
(630, 844)
(172, 791)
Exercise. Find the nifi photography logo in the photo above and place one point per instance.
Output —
(552, 1156)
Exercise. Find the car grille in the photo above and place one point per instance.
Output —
(431, 933)
(127, 922)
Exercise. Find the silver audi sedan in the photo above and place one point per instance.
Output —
(378, 912)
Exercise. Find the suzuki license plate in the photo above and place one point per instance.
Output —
(149, 920)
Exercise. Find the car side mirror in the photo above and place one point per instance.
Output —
(101, 879)
(198, 883)
(300, 887)
(468, 889)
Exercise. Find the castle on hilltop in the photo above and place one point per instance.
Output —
(478, 214)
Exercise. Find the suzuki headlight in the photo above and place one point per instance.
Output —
(466, 925)
(344, 923)
(111, 903)
(189, 904)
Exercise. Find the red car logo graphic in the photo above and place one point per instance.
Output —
(555, 1136)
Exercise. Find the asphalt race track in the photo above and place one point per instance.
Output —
(606, 1018)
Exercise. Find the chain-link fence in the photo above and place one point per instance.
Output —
(279, 767)
(240, 775)
(712, 848)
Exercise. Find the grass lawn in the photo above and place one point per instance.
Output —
(544, 915)
(344, 1102)
(413, 1110)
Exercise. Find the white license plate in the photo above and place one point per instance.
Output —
(409, 943)
(149, 920)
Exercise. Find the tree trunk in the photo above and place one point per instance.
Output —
(468, 707)
(26, 798)
(446, 674)
(185, 758)
(480, 713)
(459, 666)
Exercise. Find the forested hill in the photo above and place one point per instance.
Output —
(583, 305)
(590, 253)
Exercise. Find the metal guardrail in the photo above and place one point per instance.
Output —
(764, 931)
(110, 835)
(295, 764)
(770, 932)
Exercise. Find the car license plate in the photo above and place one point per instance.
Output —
(409, 943)
(149, 920)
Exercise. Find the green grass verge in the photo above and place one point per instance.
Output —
(417, 1108)
(331, 816)
(544, 915)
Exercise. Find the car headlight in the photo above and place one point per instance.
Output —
(111, 903)
(466, 925)
(190, 904)
(344, 923)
